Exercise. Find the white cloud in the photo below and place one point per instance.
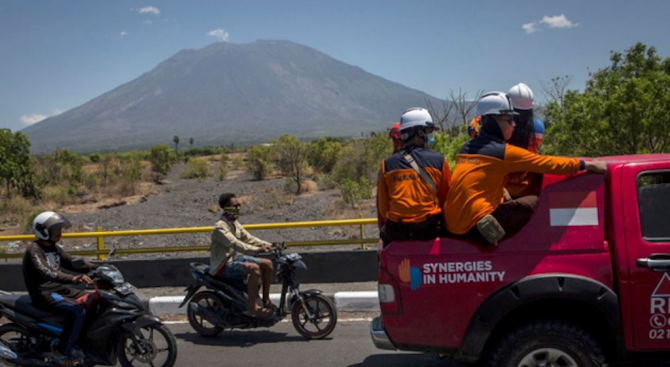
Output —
(220, 34)
(529, 27)
(123, 33)
(34, 118)
(31, 119)
(558, 21)
(149, 10)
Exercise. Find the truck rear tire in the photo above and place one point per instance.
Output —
(547, 343)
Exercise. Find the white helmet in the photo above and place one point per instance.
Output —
(414, 117)
(522, 97)
(46, 221)
(495, 103)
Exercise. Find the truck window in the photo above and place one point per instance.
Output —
(653, 196)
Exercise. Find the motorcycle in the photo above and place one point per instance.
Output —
(6, 354)
(118, 328)
(224, 302)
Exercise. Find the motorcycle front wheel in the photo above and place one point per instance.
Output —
(317, 319)
(157, 347)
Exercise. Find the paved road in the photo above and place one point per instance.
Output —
(282, 346)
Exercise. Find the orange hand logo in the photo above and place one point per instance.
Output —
(403, 271)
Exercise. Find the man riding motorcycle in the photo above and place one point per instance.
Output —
(229, 238)
(50, 288)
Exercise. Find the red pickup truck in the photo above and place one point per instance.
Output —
(585, 283)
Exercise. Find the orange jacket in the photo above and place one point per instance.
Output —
(402, 196)
(482, 166)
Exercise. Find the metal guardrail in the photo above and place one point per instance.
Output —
(101, 251)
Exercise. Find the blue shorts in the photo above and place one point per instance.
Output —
(234, 269)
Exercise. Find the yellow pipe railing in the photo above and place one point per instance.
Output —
(101, 251)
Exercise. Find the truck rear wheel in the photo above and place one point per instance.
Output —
(547, 343)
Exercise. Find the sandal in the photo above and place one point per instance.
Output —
(259, 313)
(271, 306)
(66, 361)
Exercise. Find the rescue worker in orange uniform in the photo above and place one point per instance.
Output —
(527, 134)
(474, 204)
(394, 134)
(413, 183)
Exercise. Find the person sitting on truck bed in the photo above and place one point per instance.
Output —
(474, 205)
(413, 183)
(528, 134)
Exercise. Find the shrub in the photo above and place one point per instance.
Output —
(238, 163)
(354, 191)
(291, 159)
(16, 208)
(259, 162)
(323, 154)
(222, 171)
(197, 168)
(161, 159)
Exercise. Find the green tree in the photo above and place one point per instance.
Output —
(624, 109)
(259, 161)
(175, 139)
(16, 164)
(354, 191)
(449, 142)
(161, 161)
(133, 169)
(362, 158)
(323, 154)
(197, 168)
(291, 155)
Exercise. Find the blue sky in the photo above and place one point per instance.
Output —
(58, 54)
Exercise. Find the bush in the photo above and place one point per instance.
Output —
(449, 143)
(15, 209)
(161, 159)
(259, 162)
(222, 171)
(238, 163)
(323, 154)
(197, 168)
(291, 155)
(355, 191)
(57, 194)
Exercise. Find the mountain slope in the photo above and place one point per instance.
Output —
(231, 93)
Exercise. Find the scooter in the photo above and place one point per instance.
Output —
(120, 329)
(224, 302)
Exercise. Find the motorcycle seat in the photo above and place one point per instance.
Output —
(23, 304)
(204, 270)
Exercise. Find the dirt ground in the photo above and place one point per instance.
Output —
(192, 203)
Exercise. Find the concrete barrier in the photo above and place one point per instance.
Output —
(322, 267)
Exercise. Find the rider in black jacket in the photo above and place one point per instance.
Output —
(48, 285)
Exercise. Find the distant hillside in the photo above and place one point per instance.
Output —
(231, 93)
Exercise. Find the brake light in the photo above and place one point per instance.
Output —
(389, 294)
(386, 293)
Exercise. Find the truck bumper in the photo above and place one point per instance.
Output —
(379, 336)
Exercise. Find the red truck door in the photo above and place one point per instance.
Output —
(646, 213)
